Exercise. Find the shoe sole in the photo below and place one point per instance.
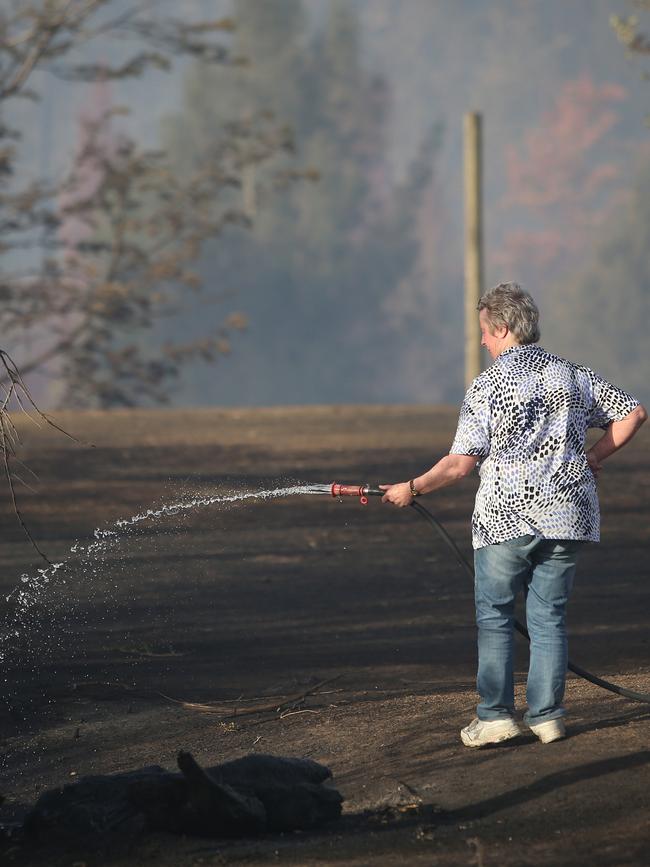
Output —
(550, 739)
(556, 735)
(506, 736)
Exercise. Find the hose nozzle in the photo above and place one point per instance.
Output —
(360, 491)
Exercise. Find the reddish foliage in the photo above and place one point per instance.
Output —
(560, 179)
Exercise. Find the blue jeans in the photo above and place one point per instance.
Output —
(544, 570)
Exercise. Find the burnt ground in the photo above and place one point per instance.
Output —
(247, 603)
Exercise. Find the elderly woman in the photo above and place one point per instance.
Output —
(523, 421)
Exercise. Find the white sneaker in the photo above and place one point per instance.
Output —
(480, 733)
(549, 731)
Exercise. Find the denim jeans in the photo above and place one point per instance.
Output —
(544, 570)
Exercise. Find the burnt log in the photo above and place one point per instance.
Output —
(217, 808)
(294, 792)
(252, 795)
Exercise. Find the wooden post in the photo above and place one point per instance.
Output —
(473, 243)
(249, 194)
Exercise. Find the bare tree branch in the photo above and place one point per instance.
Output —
(9, 438)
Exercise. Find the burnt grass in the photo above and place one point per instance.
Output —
(359, 610)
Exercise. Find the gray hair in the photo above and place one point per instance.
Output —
(508, 304)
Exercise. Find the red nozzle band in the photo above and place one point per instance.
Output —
(350, 491)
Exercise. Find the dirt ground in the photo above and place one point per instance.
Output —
(247, 603)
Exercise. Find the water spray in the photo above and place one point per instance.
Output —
(29, 592)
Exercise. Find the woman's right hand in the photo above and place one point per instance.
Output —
(399, 494)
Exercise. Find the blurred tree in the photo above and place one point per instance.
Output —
(88, 263)
(315, 272)
(629, 33)
(132, 232)
(85, 301)
(600, 313)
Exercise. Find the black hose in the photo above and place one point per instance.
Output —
(581, 672)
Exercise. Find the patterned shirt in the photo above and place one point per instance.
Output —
(526, 417)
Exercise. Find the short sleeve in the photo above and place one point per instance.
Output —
(473, 432)
(608, 402)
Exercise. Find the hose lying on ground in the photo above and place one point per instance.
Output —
(365, 491)
(576, 669)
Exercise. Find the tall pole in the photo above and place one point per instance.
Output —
(249, 195)
(473, 242)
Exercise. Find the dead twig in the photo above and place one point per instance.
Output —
(287, 713)
(18, 385)
(280, 704)
(15, 389)
(7, 449)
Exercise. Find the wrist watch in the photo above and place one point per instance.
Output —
(414, 491)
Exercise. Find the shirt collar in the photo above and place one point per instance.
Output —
(517, 348)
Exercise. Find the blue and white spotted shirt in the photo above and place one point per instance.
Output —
(526, 417)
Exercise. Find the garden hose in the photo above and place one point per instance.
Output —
(365, 491)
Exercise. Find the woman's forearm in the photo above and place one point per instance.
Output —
(450, 469)
(447, 471)
(618, 434)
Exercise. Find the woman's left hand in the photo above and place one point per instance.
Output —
(594, 464)
(399, 494)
